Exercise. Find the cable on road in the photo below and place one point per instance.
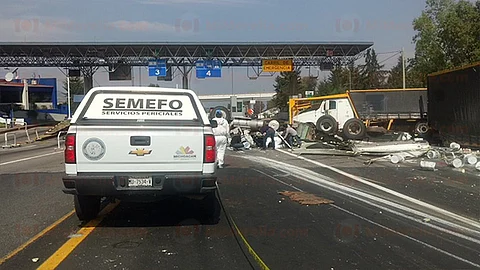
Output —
(237, 233)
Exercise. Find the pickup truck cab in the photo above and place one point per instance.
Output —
(139, 144)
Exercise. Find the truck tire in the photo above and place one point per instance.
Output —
(354, 129)
(221, 108)
(327, 124)
(421, 128)
(86, 207)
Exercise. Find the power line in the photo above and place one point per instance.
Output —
(388, 58)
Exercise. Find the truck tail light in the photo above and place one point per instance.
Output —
(210, 149)
(70, 156)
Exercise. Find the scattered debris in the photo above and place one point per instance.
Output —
(396, 147)
(428, 165)
(305, 198)
(35, 260)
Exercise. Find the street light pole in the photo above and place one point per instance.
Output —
(68, 97)
(403, 67)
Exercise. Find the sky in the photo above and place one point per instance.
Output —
(386, 23)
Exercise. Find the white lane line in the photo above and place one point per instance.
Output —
(408, 237)
(400, 195)
(29, 158)
(325, 182)
(278, 180)
(384, 227)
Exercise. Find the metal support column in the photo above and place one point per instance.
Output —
(185, 78)
(88, 73)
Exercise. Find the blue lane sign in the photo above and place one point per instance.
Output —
(157, 68)
(208, 69)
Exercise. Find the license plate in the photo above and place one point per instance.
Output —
(140, 182)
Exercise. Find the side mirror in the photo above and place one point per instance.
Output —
(213, 123)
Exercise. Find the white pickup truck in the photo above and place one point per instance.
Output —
(139, 144)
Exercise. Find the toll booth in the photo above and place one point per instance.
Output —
(22, 94)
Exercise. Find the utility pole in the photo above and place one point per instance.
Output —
(68, 97)
(232, 80)
(403, 66)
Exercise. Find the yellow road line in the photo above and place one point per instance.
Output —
(33, 239)
(250, 249)
(61, 254)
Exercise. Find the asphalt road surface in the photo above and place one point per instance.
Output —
(382, 216)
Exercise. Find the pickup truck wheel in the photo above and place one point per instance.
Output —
(327, 124)
(421, 128)
(86, 207)
(354, 129)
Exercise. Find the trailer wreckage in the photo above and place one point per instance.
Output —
(398, 115)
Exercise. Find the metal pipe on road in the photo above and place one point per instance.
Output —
(253, 124)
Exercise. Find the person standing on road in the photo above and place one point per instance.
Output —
(221, 133)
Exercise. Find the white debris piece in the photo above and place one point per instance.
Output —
(433, 154)
(35, 260)
(428, 165)
(396, 159)
(470, 159)
(455, 146)
(457, 163)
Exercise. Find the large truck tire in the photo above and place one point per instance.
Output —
(422, 128)
(354, 129)
(86, 207)
(327, 124)
(228, 115)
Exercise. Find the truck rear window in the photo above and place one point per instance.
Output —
(134, 107)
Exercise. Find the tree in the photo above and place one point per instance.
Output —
(371, 73)
(395, 75)
(447, 36)
(76, 87)
(286, 85)
(339, 80)
(308, 83)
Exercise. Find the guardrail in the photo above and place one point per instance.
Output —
(28, 135)
(6, 145)
(58, 138)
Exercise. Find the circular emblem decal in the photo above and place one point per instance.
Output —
(93, 149)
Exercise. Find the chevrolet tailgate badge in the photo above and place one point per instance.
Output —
(140, 152)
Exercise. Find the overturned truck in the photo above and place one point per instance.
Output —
(454, 105)
(352, 114)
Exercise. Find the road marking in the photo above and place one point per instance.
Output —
(33, 239)
(61, 254)
(380, 225)
(409, 237)
(328, 183)
(250, 249)
(314, 178)
(29, 158)
(252, 252)
(400, 195)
